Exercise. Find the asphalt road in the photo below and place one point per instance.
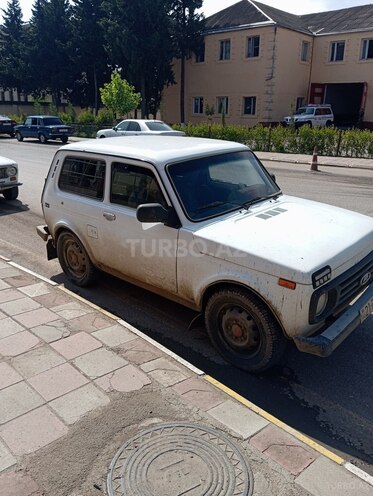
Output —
(329, 400)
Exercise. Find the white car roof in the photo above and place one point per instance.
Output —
(155, 149)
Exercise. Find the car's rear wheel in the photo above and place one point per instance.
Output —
(102, 136)
(74, 260)
(19, 136)
(243, 330)
(11, 194)
(11, 135)
(64, 139)
(43, 139)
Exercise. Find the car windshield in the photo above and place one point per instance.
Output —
(52, 121)
(218, 184)
(158, 126)
(305, 110)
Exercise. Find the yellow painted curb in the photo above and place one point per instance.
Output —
(301, 437)
(92, 305)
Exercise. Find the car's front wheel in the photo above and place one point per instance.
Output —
(102, 136)
(74, 260)
(11, 193)
(43, 139)
(243, 330)
(19, 136)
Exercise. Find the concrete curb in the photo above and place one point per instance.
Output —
(365, 477)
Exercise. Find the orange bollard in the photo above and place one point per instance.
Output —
(314, 166)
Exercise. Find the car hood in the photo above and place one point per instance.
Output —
(289, 238)
(7, 161)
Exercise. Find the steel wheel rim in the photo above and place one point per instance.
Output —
(75, 258)
(239, 330)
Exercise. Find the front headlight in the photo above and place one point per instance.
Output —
(321, 304)
(11, 171)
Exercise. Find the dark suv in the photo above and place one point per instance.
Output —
(44, 128)
(7, 125)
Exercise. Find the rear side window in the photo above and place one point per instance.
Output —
(83, 176)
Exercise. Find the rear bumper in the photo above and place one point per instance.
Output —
(324, 344)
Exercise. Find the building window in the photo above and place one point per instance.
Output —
(337, 51)
(225, 50)
(253, 46)
(367, 49)
(305, 51)
(198, 105)
(249, 105)
(222, 104)
(300, 102)
(200, 54)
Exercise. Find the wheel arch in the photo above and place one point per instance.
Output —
(65, 228)
(220, 285)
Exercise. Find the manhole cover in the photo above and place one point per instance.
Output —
(176, 459)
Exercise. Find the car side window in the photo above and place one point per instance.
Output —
(28, 121)
(131, 186)
(134, 126)
(123, 126)
(34, 121)
(83, 176)
(318, 112)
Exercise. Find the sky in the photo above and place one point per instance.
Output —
(212, 6)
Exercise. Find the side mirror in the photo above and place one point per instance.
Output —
(155, 212)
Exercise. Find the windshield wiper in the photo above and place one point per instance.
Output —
(211, 205)
(258, 199)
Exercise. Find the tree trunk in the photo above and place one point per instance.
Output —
(182, 90)
(143, 98)
(96, 89)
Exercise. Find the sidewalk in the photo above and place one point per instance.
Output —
(84, 395)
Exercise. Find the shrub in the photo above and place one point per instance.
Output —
(66, 118)
(86, 117)
(104, 117)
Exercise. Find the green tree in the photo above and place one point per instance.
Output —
(90, 57)
(12, 46)
(119, 96)
(188, 28)
(138, 40)
(50, 49)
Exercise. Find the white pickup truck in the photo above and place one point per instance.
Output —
(203, 223)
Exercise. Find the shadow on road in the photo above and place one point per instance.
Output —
(8, 207)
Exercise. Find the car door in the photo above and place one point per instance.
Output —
(144, 253)
(121, 128)
(133, 128)
(27, 129)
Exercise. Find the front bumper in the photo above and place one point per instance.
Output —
(325, 343)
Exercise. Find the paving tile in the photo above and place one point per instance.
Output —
(325, 478)
(32, 431)
(2, 315)
(54, 298)
(36, 317)
(238, 418)
(90, 322)
(99, 362)
(16, 400)
(53, 331)
(9, 271)
(17, 344)
(21, 305)
(19, 279)
(126, 379)
(199, 393)
(8, 327)
(8, 375)
(36, 361)
(73, 406)
(37, 289)
(139, 351)
(18, 484)
(9, 295)
(3, 264)
(114, 335)
(71, 310)
(3, 285)
(165, 372)
(57, 381)
(76, 345)
(284, 449)
(6, 459)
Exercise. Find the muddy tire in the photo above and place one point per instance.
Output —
(74, 260)
(11, 194)
(243, 330)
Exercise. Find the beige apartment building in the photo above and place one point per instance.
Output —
(260, 64)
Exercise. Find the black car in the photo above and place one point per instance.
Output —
(44, 128)
(7, 125)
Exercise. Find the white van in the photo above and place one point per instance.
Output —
(203, 223)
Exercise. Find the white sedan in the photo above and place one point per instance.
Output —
(9, 178)
(131, 127)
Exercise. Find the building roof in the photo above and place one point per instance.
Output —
(247, 13)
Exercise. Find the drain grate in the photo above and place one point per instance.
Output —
(176, 459)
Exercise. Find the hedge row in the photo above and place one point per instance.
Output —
(329, 141)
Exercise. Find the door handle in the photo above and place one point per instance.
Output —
(109, 216)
